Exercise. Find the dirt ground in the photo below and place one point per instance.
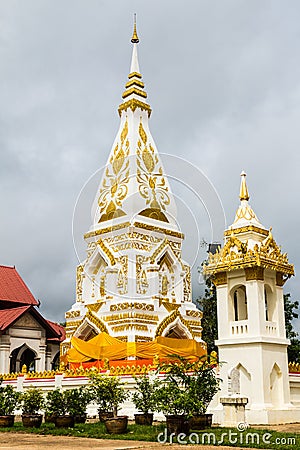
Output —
(20, 441)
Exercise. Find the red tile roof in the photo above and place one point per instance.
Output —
(13, 288)
(8, 316)
(60, 330)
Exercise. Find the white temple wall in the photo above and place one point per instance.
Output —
(252, 416)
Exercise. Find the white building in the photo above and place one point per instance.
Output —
(26, 337)
(133, 283)
(249, 273)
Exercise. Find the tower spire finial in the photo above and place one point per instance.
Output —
(135, 38)
(244, 194)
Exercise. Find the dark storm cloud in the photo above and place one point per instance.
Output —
(223, 82)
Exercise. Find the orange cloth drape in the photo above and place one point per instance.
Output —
(104, 346)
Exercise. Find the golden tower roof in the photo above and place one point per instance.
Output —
(134, 95)
(245, 215)
(134, 182)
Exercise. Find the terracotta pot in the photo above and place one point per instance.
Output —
(80, 418)
(103, 415)
(65, 422)
(50, 418)
(7, 421)
(116, 425)
(143, 419)
(201, 421)
(177, 424)
(32, 420)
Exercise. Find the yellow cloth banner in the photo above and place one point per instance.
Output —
(104, 346)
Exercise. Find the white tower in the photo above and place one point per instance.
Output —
(134, 284)
(249, 273)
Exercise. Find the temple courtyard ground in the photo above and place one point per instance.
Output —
(23, 441)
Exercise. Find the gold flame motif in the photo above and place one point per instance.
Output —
(152, 184)
(115, 183)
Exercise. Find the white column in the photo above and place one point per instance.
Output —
(4, 355)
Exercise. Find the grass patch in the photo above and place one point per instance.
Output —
(252, 437)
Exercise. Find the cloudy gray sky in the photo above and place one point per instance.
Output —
(223, 79)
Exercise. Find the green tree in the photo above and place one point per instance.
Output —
(208, 305)
(290, 312)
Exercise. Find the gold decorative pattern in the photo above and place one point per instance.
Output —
(245, 212)
(132, 305)
(107, 251)
(131, 315)
(94, 307)
(294, 367)
(74, 324)
(79, 281)
(158, 250)
(170, 306)
(91, 248)
(96, 321)
(131, 240)
(123, 338)
(139, 338)
(133, 104)
(129, 326)
(254, 273)
(115, 182)
(134, 74)
(122, 283)
(159, 229)
(237, 255)
(152, 184)
(169, 319)
(142, 283)
(187, 290)
(135, 82)
(110, 229)
(194, 313)
(246, 229)
(134, 90)
(72, 314)
(220, 278)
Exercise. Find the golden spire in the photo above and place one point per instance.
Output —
(244, 195)
(135, 38)
(134, 95)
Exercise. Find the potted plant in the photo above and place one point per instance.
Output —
(110, 394)
(64, 407)
(203, 384)
(9, 401)
(32, 402)
(199, 382)
(144, 399)
(99, 392)
(77, 400)
(174, 402)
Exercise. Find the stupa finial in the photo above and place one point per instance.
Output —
(135, 38)
(244, 194)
